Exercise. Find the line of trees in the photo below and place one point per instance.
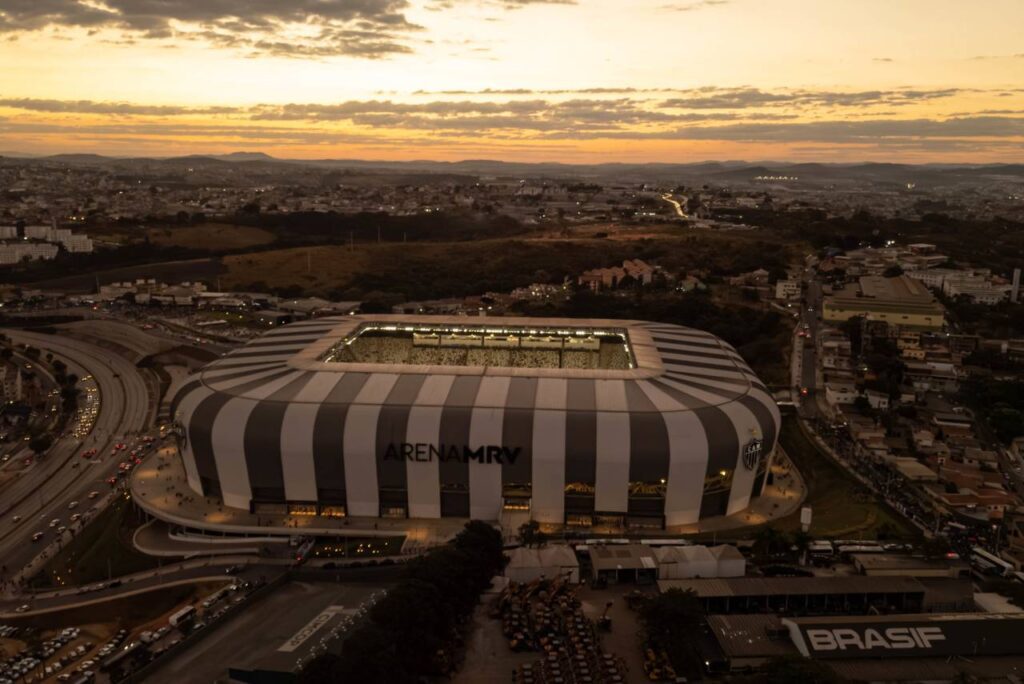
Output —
(416, 631)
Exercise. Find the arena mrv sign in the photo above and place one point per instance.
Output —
(424, 453)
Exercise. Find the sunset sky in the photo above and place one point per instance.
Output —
(528, 80)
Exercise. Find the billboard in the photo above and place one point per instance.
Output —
(918, 637)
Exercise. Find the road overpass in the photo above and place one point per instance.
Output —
(45, 491)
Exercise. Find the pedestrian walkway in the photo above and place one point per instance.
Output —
(159, 487)
(781, 498)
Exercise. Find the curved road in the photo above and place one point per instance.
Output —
(45, 491)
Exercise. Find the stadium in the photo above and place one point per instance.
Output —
(573, 421)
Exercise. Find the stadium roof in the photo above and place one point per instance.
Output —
(689, 369)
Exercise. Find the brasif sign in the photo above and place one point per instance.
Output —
(939, 636)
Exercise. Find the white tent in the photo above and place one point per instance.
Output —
(730, 561)
(668, 562)
(561, 560)
(697, 561)
(685, 562)
(526, 565)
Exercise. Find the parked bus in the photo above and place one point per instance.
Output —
(988, 564)
(847, 549)
(182, 616)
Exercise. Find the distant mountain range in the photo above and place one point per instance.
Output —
(710, 171)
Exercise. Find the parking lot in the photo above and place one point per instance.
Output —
(274, 633)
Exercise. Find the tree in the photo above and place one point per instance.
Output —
(416, 615)
(1007, 422)
(862, 405)
(768, 541)
(853, 328)
(893, 271)
(801, 542)
(40, 444)
(671, 620)
(321, 670)
(798, 670)
(410, 634)
(530, 534)
(484, 543)
(935, 547)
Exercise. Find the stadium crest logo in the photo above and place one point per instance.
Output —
(752, 453)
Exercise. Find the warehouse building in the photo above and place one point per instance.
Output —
(873, 648)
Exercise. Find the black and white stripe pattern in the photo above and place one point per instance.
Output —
(259, 426)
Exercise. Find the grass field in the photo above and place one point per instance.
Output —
(842, 506)
(211, 236)
(423, 270)
(104, 544)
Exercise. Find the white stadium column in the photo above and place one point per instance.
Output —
(423, 477)
(228, 442)
(548, 503)
(361, 446)
(484, 431)
(688, 458)
(297, 437)
(183, 416)
(613, 450)
(748, 429)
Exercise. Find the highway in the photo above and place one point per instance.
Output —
(809, 361)
(678, 206)
(45, 491)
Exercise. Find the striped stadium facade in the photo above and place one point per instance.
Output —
(686, 434)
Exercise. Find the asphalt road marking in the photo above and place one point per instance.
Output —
(311, 627)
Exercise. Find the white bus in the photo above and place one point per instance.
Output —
(182, 616)
(989, 564)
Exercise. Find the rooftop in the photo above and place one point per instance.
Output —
(794, 586)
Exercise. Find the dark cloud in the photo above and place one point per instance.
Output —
(744, 98)
(693, 6)
(543, 120)
(115, 108)
(876, 131)
(467, 115)
(549, 91)
(1019, 55)
(365, 28)
(438, 5)
(394, 130)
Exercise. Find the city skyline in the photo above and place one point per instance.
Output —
(523, 80)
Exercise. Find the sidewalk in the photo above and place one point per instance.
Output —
(160, 488)
(781, 498)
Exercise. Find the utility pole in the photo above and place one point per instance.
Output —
(378, 234)
(351, 242)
